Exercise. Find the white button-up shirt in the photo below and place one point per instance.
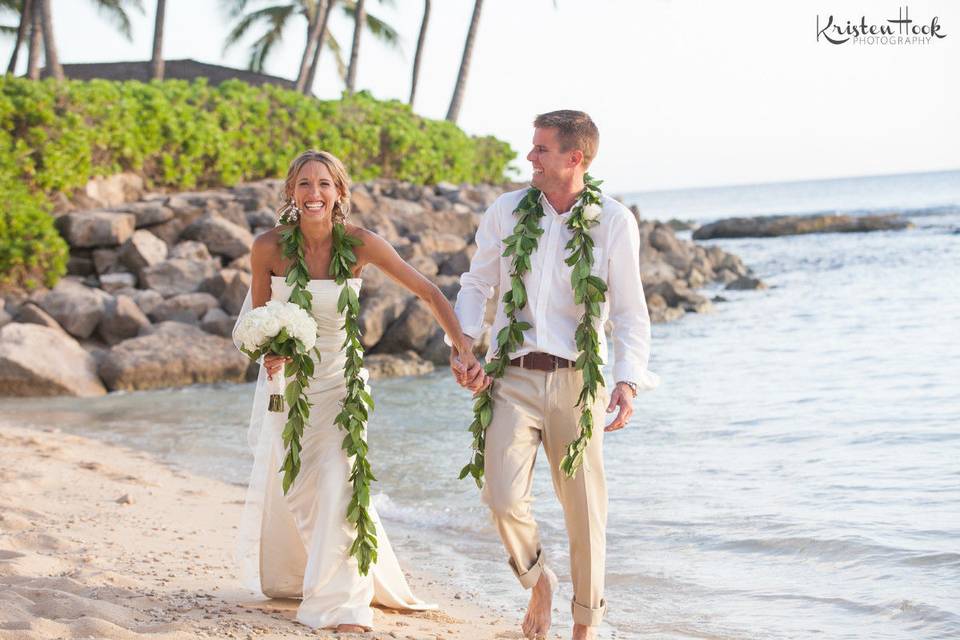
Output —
(550, 306)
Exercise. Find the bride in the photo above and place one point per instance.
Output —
(300, 543)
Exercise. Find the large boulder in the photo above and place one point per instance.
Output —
(235, 292)
(40, 361)
(173, 354)
(105, 261)
(122, 319)
(148, 213)
(392, 365)
(142, 250)
(412, 330)
(75, 306)
(114, 190)
(218, 283)
(30, 313)
(190, 250)
(746, 283)
(177, 275)
(184, 307)
(221, 236)
(772, 226)
(377, 312)
(112, 282)
(218, 322)
(84, 229)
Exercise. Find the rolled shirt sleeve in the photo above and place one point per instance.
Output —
(629, 318)
(479, 283)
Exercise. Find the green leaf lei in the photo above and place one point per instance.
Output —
(357, 404)
(588, 290)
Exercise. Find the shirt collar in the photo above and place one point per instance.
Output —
(546, 204)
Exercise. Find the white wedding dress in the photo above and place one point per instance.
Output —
(296, 545)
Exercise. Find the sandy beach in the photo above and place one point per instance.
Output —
(99, 541)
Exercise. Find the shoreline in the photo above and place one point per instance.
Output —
(100, 540)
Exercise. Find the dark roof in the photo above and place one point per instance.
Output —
(173, 70)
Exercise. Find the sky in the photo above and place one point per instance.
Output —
(686, 93)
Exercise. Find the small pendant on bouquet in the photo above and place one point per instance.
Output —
(276, 387)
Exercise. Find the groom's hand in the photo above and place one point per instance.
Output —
(622, 397)
(467, 370)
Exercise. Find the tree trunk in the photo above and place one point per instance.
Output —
(313, 37)
(22, 29)
(36, 42)
(454, 112)
(416, 58)
(49, 43)
(360, 18)
(308, 85)
(156, 62)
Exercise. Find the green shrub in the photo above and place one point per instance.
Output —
(31, 251)
(55, 136)
(181, 134)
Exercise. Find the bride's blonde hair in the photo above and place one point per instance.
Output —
(340, 179)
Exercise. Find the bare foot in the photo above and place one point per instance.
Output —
(583, 632)
(351, 628)
(536, 624)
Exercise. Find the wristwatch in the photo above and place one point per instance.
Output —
(632, 385)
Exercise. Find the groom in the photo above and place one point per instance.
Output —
(533, 403)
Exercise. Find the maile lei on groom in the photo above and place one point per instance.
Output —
(588, 290)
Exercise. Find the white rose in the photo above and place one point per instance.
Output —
(591, 212)
(270, 327)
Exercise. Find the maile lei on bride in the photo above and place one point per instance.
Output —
(588, 290)
(356, 405)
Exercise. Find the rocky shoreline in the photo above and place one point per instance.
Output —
(155, 282)
(775, 226)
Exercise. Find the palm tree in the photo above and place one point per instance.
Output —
(276, 18)
(454, 111)
(321, 37)
(156, 60)
(31, 10)
(317, 27)
(358, 18)
(416, 58)
(36, 43)
(24, 9)
(50, 54)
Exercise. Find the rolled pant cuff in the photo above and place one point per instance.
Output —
(586, 615)
(531, 576)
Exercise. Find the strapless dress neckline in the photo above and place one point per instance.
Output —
(312, 280)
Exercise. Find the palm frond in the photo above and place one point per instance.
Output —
(380, 29)
(334, 46)
(234, 8)
(274, 17)
(116, 12)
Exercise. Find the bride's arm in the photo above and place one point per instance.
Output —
(377, 251)
(263, 255)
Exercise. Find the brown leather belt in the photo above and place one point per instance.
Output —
(540, 361)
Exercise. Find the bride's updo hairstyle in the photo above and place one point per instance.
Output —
(288, 212)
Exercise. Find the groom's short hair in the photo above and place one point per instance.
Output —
(575, 130)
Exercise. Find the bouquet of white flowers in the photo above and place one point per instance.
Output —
(280, 328)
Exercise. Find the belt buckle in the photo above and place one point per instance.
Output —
(555, 361)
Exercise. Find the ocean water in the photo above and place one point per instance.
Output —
(796, 475)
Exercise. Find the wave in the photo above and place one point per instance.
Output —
(841, 549)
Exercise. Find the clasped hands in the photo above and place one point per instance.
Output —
(467, 370)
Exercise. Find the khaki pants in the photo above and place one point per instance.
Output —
(530, 407)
